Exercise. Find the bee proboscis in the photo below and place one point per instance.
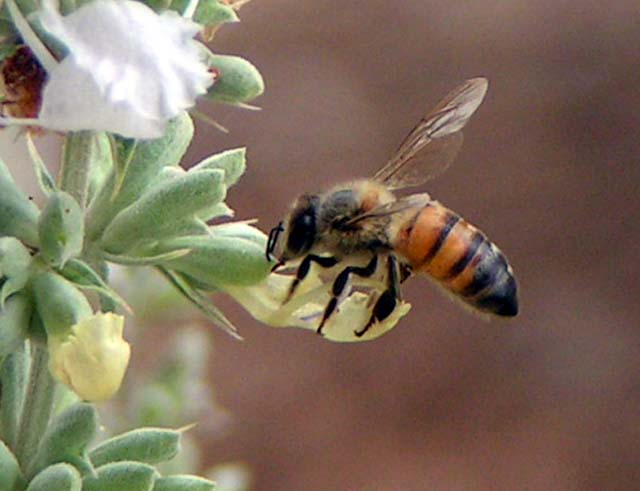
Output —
(411, 234)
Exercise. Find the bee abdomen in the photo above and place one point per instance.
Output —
(461, 258)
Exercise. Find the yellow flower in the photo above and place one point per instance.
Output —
(265, 302)
(92, 358)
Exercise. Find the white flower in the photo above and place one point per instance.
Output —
(92, 359)
(265, 302)
(128, 70)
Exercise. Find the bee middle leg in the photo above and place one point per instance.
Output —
(305, 266)
(340, 283)
(387, 302)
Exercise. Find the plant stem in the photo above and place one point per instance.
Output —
(36, 408)
(77, 156)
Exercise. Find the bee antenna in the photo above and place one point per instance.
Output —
(272, 241)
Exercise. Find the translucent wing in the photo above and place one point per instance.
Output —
(432, 145)
(406, 203)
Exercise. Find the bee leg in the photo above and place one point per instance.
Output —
(341, 282)
(387, 302)
(303, 270)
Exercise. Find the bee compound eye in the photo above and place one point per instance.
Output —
(302, 232)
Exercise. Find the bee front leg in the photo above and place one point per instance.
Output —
(387, 302)
(341, 282)
(303, 270)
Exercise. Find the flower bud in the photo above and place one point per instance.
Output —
(93, 358)
(207, 12)
(238, 81)
(61, 229)
(18, 215)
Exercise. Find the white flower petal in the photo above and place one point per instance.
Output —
(128, 71)
(265, 302)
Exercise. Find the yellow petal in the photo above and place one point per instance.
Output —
(93, 359)
(264, 301)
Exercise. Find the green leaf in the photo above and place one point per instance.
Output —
(148, 445)
(138, 165)
(18, 215)
(14, 323)
(82, 275)
(101, 163)
(232, 162)
(183, 483)
(61, 229)
(219, 260)
(59, 303)
(15, 262)
(121, 476)
(145, 260)
(67, 438)
(203, 304)
(58, 477)
(10, 475)
(156, 214)
(45, 180)
(238, 80)
(13, 375)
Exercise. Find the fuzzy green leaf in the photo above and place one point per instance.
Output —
(129, 476)
(156, 214)
(139, 164)
(101, 163)
(13, 375)
(15, 260)
(44, 178)
(218, 260)
(10, 475)
(148, 445)
(202, 303)
(61, 229)
(18, 215)
(83, 276)
(58, 477)
(67, 437)
(183, 483)
(59, 303)
(14, 323)
(232, 162)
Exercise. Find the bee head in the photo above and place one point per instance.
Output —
(299, 230)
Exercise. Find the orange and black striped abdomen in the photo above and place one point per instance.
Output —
(436, 241)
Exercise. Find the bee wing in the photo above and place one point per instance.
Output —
(434, 142)
(408, 202)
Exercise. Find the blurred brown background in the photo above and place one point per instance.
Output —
(549, 170)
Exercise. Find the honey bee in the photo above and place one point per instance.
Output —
(412, 234)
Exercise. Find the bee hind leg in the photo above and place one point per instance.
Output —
(387, 302)
(340, 284)
(303, 270)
